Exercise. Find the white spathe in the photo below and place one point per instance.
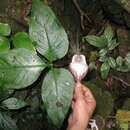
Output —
(79, 67)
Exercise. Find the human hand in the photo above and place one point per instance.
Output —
(83, 106)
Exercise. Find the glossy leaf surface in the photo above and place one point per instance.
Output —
(103, 52)
(5, 29)
(108, 33)
(119, 61)
(96, 41)
(105, 68)
(123, 68)
(103, 59)
(57, 93)
(22, 40)
(19, 68)
(13, 103)
(112, 62)
(4, 44)
(47, 31)
(112, 44)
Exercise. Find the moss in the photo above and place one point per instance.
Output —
(126, 104)
(103, 98)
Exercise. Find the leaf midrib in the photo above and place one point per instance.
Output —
(25, 66)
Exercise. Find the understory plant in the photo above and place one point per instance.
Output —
(24, 57)
(106, 45)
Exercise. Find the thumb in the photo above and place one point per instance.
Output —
(78, 91)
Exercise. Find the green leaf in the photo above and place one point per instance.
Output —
(112, 62)
(94, 53)
(22, 40)
(47, 31)
(119, 61)
(19, 68)
(112, 44)
(103, 52)
(5, 93)
(127, 59)
(123, 68)
(5, 29)
(6, 122)
(103, 59)
(57, 93)
(4, 44)
(13, 103)
(96, 41)
(108, 33)
(123, 116)
(92, 66)
(105, 68)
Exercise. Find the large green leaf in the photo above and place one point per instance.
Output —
(5, 29)
(19, 68)
(4, 44)
(6, 122)
(96, 41)
(13, 103)
(47, 31)
(22, 40)
(57, 93)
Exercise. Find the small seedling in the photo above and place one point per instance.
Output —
(106, 44)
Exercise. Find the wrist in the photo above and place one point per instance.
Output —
(78, 126)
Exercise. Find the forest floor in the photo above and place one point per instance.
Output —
(79, 18)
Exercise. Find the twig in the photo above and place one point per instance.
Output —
(121, 80)
(82, 13)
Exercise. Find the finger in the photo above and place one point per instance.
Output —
(87, 92)
(72, 104)
(78, 91)
(70, 119)
(74, 97)
(91, 104)
(78, 84)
